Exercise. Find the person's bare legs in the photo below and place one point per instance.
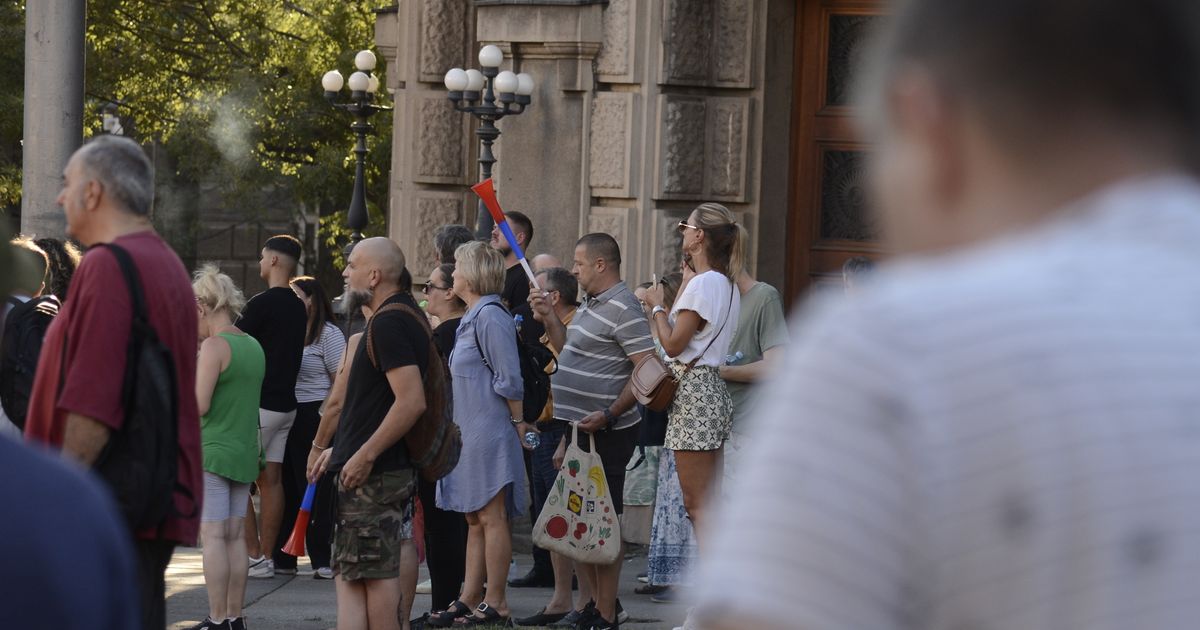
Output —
(216, 568)
(270, 500)
(250, 530)
(409, 569)
(383, 603)
(493, 518)
(560, 601)
(474, 576)
(698, 475)
(351, 604)
(235, 549)
(608, 577)
(586, 575)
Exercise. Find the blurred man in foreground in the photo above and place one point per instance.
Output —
(1001, 429)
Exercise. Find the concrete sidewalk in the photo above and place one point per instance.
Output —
(303, 603)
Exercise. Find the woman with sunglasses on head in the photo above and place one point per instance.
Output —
(445, 531)
(695, 335)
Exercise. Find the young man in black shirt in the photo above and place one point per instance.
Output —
(277, 319)
(385, 396)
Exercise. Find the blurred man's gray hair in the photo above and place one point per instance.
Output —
(122, 168)
(447, 239)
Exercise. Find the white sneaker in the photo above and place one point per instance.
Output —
(425, 588)
(261, 568)
(325, 573)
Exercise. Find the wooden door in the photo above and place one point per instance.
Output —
(828, 219)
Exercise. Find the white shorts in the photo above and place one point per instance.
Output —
(224, 498)
(273, 427)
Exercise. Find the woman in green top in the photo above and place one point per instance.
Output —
(229, 377)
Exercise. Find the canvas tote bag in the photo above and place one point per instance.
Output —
(578, 519)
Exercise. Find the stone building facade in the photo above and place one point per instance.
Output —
(642, 110)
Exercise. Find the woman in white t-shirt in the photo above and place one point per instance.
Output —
(695, 335)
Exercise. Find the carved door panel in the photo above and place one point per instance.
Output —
(828, 221)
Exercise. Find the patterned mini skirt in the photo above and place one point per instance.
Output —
(702, 415)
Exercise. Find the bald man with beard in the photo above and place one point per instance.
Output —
(376, 480)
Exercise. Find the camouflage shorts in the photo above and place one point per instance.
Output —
(372, 520)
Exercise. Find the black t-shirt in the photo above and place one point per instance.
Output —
(399, 341)
(444, 336)
(516, 298)
(277, 319)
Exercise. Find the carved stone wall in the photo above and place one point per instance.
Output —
(625, 135)
(612, 144)
(708, 42)
(443, 37)
(703, 147)
(438, 160)
(616, 59)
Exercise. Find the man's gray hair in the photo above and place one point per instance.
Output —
(121, 166)
(447, 239)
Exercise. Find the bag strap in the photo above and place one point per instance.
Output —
(132, 280)
(370, 338)
(475, 331)
(728, 312)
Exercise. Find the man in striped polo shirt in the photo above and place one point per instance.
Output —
(608, 334)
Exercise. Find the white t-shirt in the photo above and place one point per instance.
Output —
(708, 294)
(1006, 438)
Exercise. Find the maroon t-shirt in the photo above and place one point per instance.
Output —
(94, 325)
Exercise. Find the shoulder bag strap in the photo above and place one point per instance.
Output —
(692, 363)
(132, 280)
(369, 340)
(475, 331)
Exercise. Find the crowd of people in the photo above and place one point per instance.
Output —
(272, 396)
(996, 431)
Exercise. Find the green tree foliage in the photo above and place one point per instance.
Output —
(12, 92)
(229, 90)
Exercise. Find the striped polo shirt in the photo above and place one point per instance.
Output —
(594, 364)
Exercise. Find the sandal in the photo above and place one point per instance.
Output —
(491, 617)
(445, 618)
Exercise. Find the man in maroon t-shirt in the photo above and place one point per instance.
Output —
(76, 402)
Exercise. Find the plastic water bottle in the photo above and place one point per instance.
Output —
(734, 358)
(532, 439)
(518, 319)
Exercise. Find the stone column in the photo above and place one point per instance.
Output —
(53, 108)
(542, 154)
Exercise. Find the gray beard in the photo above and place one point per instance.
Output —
(354, 300)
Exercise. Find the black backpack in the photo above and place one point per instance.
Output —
(24, 330)
(140, 461)
(534, 359)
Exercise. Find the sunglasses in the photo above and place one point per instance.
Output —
(429, 285)
(683, 225)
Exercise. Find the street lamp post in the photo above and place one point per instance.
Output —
(363, 86)
(476, 92)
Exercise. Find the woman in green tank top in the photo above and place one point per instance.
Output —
(229, 377)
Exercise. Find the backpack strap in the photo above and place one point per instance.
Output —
(390, 308)
(475, 331)
(132, 280)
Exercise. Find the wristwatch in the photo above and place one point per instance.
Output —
(609, 418)
(514, 420)
(656, 310)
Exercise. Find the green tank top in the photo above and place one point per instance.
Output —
(229, 431)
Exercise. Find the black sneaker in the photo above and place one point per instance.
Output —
(209, 624)
(598, 623)
(237, 624)
(575, 618)
(622, 616)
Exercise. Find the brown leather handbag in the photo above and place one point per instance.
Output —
(654, 384)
